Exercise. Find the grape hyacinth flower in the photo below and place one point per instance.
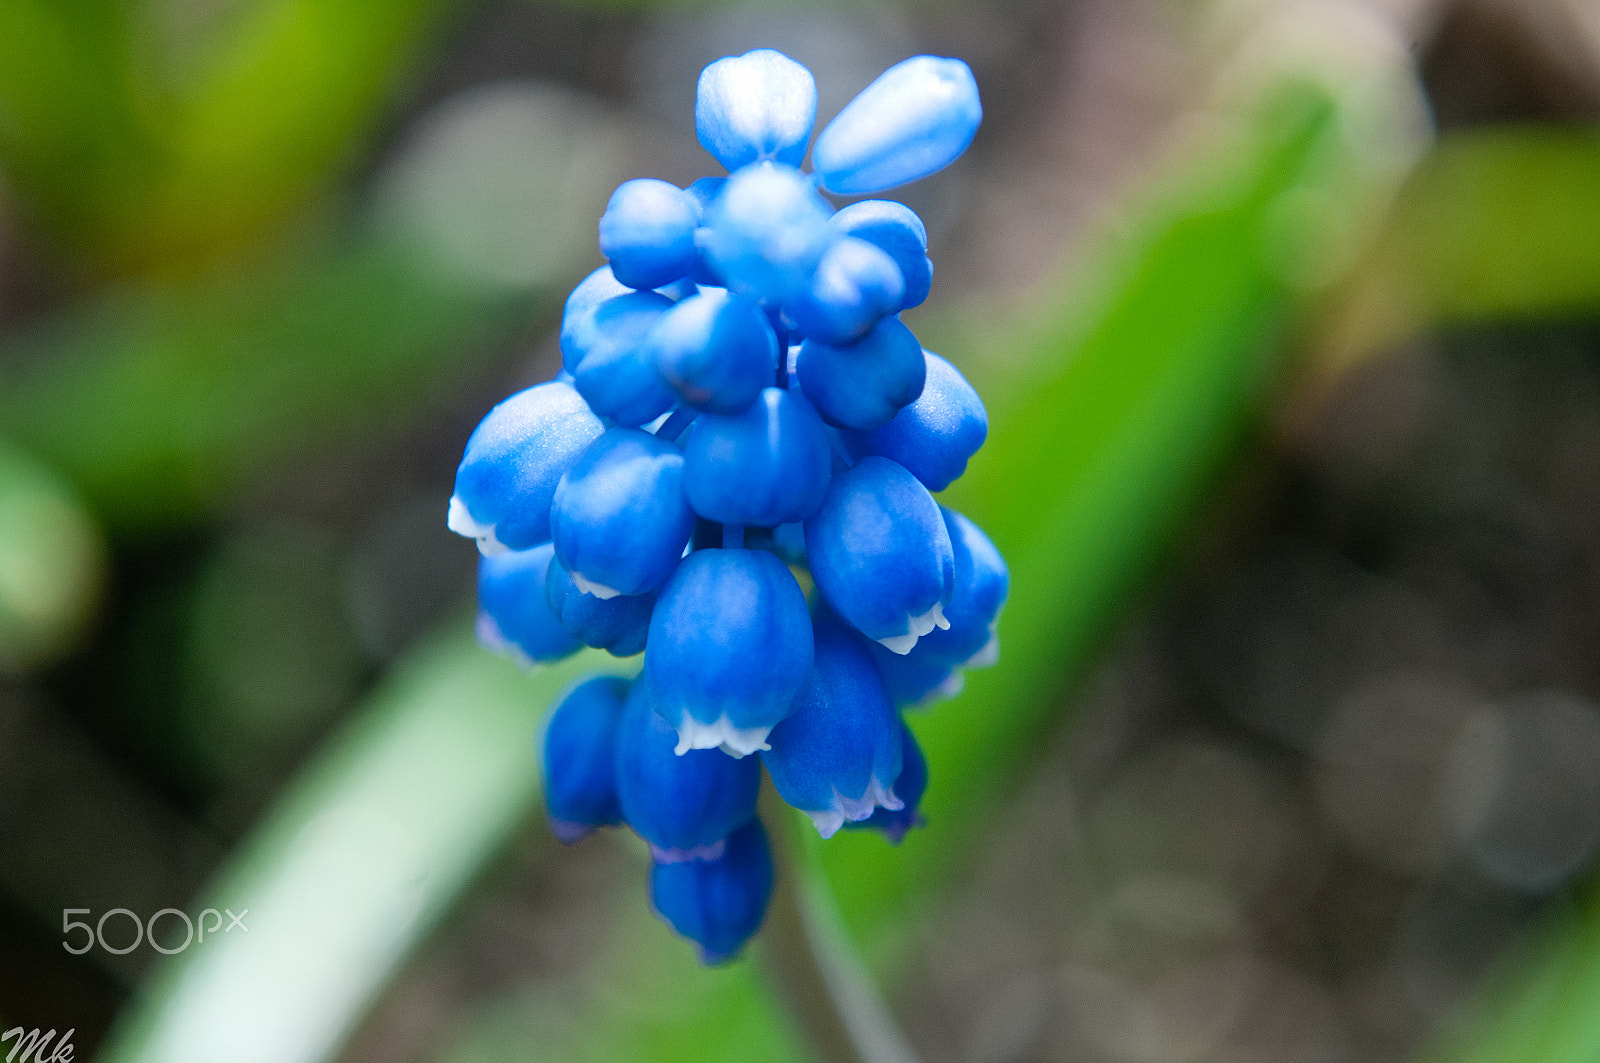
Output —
(733, 476)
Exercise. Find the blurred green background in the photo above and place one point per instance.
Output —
(1287, 313)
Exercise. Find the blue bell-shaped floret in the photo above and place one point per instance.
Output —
(617, 625)
(683, 805)
(766, 231)
(935, 435)
(620, 519)
(730, 643)
(647, 232)
(865, 384)
(896, 229)
(909, 788)
(982, 582)
(881, 555)
(578, 332)
(512, 615)
(513, 462)
(768, 465)
(755, 107)
(580, 758)
(915, 680)
(718, 904)
(837, 755)
(856, 285)
(916, 119)
(715, 349)
(616, 377)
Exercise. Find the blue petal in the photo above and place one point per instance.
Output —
(682, 805)
(916, 680)
(512, 615)
(981, 585)
(716, 350)
(934, 436)
(766, 466)
(580, 758)
(896, 229)
(909, 788)
(755, 107)
(620, 519)
(864, 385)
(578, 332)
(718, 904)
(766, 231)
(837, 755)
(513, 462)
(647, 232)
(617, 625)
(855, 286)
(881, 555)
(616, 377)
(916, 119)
(730, 643)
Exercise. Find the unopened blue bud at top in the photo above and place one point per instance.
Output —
(766, 231)
(935, 435)
(513, 617)
(766, 466)
(864, 384)
(578, 333)
(982, 583)
(837, 755)
(730, 643)
(684, 805)
(896, 229)
(513, 462)
(881, 555)
(856, 284)
(647, 232)
(755, 107)
(715, 349)
(909, 788)
(616, 376)
(718, 904)
(620, 519)
(619, 625)
(580, 758)
(914, 120)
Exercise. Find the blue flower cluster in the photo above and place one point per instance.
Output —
(740, 413)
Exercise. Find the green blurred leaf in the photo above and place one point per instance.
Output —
(1496, 224)
(52, 563)
(371, 845)
(137, 165)
(159, 404)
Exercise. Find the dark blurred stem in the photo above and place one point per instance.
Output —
(810, 962)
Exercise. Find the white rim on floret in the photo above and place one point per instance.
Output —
(491, 638)
(461, 522)
(988, 655)
(854, 809)
(737, 742)
(917, 627)
(590, 587)
(713, 851)
(948, 688)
